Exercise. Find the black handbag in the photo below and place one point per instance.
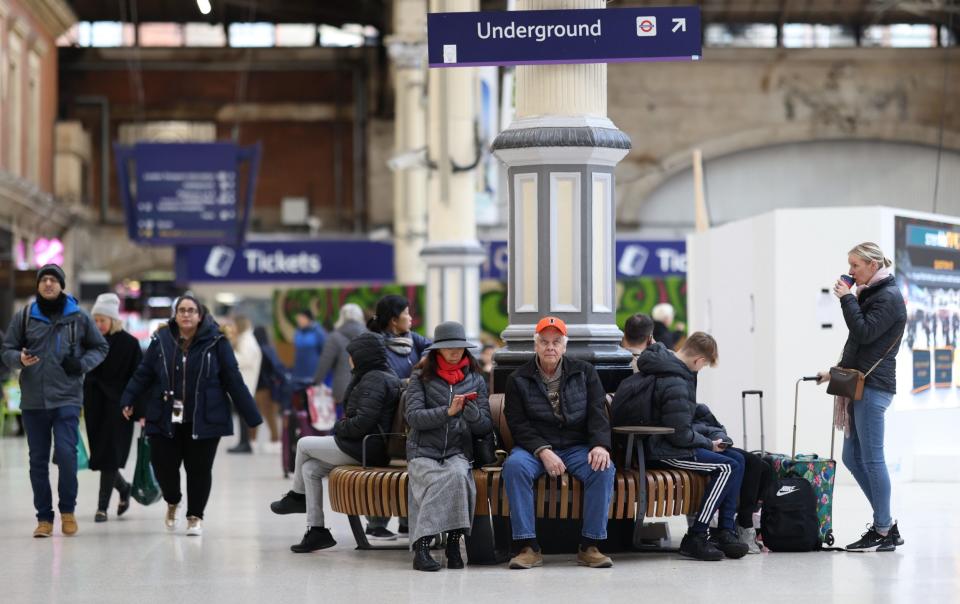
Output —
(849, 383)
(485, 450)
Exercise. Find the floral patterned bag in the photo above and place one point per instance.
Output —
(820, 473)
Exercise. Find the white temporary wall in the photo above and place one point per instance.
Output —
(758, 286)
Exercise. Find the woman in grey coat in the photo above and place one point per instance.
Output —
(446, 409)
(334, 357)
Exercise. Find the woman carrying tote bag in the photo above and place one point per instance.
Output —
(447, 409)
(189, 378)
(876, 317)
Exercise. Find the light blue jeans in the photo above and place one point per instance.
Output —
(863, 453)
(521, 470)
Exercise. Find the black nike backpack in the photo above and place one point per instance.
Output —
(788, 518)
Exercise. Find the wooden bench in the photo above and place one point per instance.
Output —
(357, 491)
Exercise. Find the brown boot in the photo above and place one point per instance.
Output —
(592, 557)
(527, 558)
(44, 529)
(68, 524)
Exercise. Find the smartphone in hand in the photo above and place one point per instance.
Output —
(470, 396)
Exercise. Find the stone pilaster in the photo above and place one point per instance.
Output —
(408, 49)
(453, 255)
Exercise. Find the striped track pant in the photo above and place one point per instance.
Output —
(723, 489)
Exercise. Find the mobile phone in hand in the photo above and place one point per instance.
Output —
(470, 396)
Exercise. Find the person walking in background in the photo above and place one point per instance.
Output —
(394, 322)
(308, 342)
(447, 409)
(53, 343)
(876, 317)
(189, 375)
(371, 402)
(110, 436)
(664, 331)
(334, 357)
(271, 386)
(249, 359)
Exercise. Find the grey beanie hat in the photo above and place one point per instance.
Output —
(107, 305)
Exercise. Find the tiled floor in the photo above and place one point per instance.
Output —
(244, 556)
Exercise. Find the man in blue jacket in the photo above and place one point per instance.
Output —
(53, 343)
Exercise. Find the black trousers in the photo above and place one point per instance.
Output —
(196, 456)
(757, 475)
(110, 480)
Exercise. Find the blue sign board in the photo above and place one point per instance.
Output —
(185, 192)
(634, 258)
(610, 35)
(281, 261)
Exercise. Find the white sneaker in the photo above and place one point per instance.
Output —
(194, 526)
(748, 536)
(172, 518)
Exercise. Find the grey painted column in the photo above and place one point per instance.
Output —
(560, 153)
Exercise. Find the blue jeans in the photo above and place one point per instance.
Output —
(723, 490)
(521, 470)
(62, 424)
(863, 453)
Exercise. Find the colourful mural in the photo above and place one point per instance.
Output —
(633, 295)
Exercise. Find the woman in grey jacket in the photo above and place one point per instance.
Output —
(446, 409)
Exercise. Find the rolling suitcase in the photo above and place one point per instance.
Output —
(296, 424)
(819, 472)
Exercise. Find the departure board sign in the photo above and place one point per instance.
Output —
(185, 193)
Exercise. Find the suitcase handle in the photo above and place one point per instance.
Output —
(796, 405)
(744, 396)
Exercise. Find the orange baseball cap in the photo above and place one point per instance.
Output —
(554, 322)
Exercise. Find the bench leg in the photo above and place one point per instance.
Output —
(359, 535)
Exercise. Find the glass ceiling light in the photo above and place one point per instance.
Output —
(204, 6)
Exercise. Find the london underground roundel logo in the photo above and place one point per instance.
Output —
(646, 26)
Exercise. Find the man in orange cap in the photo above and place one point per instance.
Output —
(555, 411)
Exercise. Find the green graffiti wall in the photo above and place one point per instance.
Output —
(633, 296)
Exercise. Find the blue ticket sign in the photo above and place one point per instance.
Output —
(610, 35)
(186, 193)
(339, 260)
(634, 258)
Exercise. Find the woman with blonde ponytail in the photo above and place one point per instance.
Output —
(876, 316)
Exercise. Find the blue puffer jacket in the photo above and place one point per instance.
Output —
(308, 345)
(46, 385)
(213, 380)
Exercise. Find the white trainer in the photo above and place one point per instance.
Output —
(749, 536)
(172, 518)
(194, 526)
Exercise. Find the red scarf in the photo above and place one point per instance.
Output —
(452, 374)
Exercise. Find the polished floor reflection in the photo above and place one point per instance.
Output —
(244, 556)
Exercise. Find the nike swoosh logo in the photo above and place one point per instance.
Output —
(785, 491)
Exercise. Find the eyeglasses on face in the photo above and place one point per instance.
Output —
(187, 311)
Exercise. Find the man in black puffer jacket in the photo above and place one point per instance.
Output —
(371, 400)
(674, 404)
(555, 409)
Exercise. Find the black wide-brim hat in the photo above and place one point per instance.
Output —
(450, 335)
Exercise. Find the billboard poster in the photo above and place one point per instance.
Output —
(928, 273)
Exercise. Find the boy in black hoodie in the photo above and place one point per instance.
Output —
(665, 391)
